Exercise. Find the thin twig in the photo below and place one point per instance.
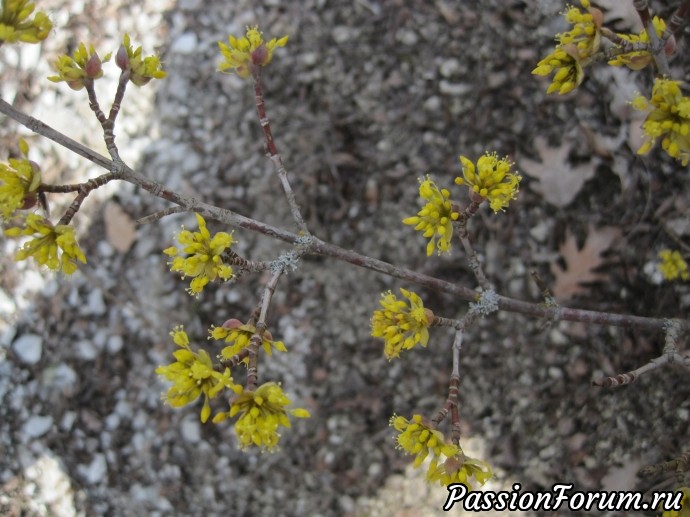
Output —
(258, 336)
(678, 17)
(156, 216)
(273, 152)
(623, 379)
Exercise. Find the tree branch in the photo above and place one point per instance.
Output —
(316, 246)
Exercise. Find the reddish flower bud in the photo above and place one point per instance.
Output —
(260, 55)
(29, 201)
(670, 46)
(232, 324)
(93, 67)
(122, 59)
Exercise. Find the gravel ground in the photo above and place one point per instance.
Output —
(366, 97)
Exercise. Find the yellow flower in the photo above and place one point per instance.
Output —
(490, 179)
(192, 375)
(436, 218)
(84, 64)
(685, 505)
(401, 326)
(418, 438)
(19, 182)
(638, 59)
(669, 119)
(204, 261)
(251, 50)
(238, 333)
(15, 24)
(672, 265)
(44, 247)
(585, 34)
(460, 469)
(262, 413)
(142, 70)
(565, 62)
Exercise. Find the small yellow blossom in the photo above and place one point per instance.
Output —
(262, 413)
(240, 334)
(461, 469)
(436, 218)
(250, 50)
(204, 261)
(565, 62)
(44, 247)
(402, 326)
(673, 266)
(15, 24)
(192, 375)
(142, 69)
(585, 33)
(420, 439)
(19, 182)
(84, 64)
(669, 119)
(685, 505)
(638, 59)
(491, 179)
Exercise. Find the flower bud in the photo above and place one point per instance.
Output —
(260, 55)
(122, 58)
(93, 67)
(30, 201)
(232, 324)
(670, 46)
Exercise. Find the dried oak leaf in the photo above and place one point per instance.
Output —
(559, 182)
(120, 229)
(581, 263)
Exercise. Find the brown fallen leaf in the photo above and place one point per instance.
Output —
(559, 181)
(120, 229)
(581, 263)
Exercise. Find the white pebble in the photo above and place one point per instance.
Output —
(37, 426)
(95, 304)
(191, 430)
(28, 348)
(95, 471)
(185, 44)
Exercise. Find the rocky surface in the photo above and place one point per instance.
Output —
(367, 97)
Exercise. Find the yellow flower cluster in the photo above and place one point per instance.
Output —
(565, 63)
(638, 59)
(83, 64)
(262, 413)
(142, 69)
(54, 246)
(685, 505)
(573, 48)
(585, 33)
(239, 334)
(192, 375)
(402, 326)
(492, 179)
(461, 469)
(418, 438)
(436, 218)
(668, 119)
(673, 266)
(204, 261)
(19, 182)
(421, 439)
(241, 54)
(15, 24)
